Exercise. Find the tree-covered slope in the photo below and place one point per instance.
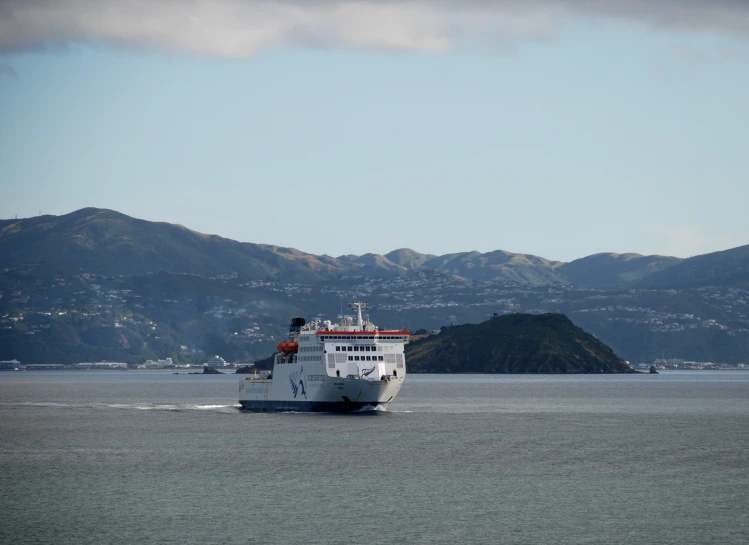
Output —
(498, 265)
(107, 242)
(609, 270)
(726, 268)
(515, 343)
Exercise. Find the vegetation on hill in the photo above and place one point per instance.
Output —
(515, 343)
(614, 270)
(410, 259)
(107, 242)
(523, 268)
(726, 268)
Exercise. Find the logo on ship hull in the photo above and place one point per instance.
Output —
(297, 383)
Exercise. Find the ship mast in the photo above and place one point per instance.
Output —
(359, 306)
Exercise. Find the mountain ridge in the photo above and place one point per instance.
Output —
(105, 241)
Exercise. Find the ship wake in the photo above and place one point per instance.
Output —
(177, 407)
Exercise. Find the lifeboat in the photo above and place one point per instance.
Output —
(288, 347)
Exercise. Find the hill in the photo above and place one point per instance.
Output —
(101, 241)
(726, 268)
(515, 343)
(498, 265)
(107, 242)
(410, 259)
(608, 270)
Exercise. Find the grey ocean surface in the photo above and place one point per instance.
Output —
(152, 457)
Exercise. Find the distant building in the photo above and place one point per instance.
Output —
(158, 364)
(216, 361)
(102, 365)
(10, 365)
(671, 362)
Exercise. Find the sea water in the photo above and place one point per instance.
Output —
(152, 457)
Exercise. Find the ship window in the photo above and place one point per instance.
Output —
(356, 358)
(369, 358)
(380, 358)
(368, 349)
(349, 349)
(356, 349)
(337, 348)
(351, 358)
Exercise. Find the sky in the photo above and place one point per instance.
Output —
(559, 128)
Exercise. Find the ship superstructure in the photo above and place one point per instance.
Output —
(344, 367)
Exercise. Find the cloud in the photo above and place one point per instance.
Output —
(240, 28)
(6, 70)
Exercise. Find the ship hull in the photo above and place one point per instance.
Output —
(263, 406)
(315, 393)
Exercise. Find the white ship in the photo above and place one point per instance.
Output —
(215, 362)
(345, 367)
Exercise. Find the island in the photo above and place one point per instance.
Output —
(514, 343)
